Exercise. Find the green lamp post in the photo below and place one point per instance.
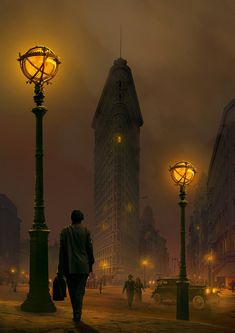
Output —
(39, 65)
(182, 174)
(210, 259)
(144, 264)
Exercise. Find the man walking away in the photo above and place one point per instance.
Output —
(76, 260)
(129, 287)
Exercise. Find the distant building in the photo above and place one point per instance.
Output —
(221, 199)
(154, 258)
(117, 123)
(9, 235)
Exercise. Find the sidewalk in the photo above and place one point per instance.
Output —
(12, 319)
(227, 292)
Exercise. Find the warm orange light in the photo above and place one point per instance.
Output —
(182, 173)
(118, 138)
(209, 257)
(104, 264)
(129, 207)
(145, 262)
(104, 226)
(13, 270)
(39, 64)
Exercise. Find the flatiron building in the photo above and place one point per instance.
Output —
(116, 125)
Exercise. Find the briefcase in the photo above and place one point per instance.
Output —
(59, 288)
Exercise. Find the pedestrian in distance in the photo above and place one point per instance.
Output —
(138, 290)
(14, 285)
(129, 288)
(233, 285)
(76, 260)
(100, 286)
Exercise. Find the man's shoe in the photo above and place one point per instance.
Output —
(77, 317)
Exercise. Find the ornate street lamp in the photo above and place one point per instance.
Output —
(104, 266)
(145, 264)
(182, 174)
(210, 259)
(39, 65)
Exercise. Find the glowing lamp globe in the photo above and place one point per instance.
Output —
(39, 64)
(182, 173)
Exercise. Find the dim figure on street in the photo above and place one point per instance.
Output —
(129, 287)
(13, 285)
(76, 260)
(100, 286)
(233, 285)
(13, 278)
(138, 290)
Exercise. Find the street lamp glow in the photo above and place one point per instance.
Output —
(39, 64)
(182, 173)
(210, 258)
(145, 262)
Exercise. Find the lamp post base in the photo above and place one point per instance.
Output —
(38, 304)
(182, 307)
(38, 298)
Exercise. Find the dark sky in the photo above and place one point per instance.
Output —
(182, 55)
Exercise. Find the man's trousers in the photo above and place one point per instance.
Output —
(76, 286)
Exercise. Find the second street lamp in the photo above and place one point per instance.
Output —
(182, 174)
(144, 264)
(39, 65)
(210, 259)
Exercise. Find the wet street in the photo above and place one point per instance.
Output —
(108, 312)
(112, 300)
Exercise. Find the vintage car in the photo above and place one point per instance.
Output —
(199, 295)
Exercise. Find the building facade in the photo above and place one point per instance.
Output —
(116, 124)
(221, 200)
(154, 257)
(9, 236)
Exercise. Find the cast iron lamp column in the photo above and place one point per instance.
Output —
(209, 261)
(182, 174)
(145, 263)
(39, 65)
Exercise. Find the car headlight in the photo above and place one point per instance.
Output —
(214, 290)
(208, 291)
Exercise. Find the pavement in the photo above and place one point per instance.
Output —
(98, 319)
(227, 292)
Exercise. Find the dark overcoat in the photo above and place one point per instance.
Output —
(76, 250)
